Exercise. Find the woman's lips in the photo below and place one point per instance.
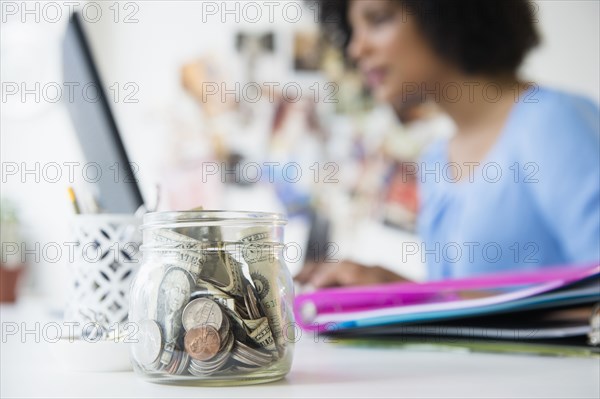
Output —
(375, 77)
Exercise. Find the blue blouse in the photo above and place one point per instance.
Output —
(534, 201)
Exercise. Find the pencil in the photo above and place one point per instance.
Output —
(73, 200)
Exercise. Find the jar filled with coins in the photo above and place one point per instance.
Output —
(212, 301)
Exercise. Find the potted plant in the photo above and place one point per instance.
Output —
(11, 264)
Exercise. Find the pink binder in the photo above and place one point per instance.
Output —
(364, 298)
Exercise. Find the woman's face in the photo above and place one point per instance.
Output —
(391, 53)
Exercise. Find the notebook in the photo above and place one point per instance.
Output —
(385, 309)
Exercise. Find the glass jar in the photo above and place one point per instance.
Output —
(212, 301)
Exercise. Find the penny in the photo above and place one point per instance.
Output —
(202, 343)
(174, 364)
(149, 345)
(217, 363)
(202, 312)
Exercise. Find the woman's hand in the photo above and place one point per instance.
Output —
(321, 275)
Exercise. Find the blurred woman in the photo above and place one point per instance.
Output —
(518, 185)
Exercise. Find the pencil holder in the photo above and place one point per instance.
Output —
(103, 264)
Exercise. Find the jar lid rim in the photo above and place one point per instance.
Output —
(157, 218)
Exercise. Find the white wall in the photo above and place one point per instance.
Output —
(569, 57)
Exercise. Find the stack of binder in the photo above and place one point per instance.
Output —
(555, 310)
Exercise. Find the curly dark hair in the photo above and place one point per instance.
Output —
(479, 36)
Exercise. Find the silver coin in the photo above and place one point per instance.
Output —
(241, 357)
(225, 330)
(149, 343)
(184, 363)
(227, 348)
(244, 368)
(250, 356)
(245, 362)
(242, 311)
(202, 312)
(193, 370)
(199, 370)
(251, 303)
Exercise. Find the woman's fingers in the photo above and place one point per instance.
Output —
(327, 276)
(306, 273)
(339, 274)
(349, 273)
(322, 275)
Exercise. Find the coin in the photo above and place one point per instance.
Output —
(251, 304)
(225, 330)
(200, 371)
(149, 343)
(173, 365)
(184, 363)
(217, 363)
(179, 363)
(250, 356)
(242, 311)
(202, 312)
(202, 343)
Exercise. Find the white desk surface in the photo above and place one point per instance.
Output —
(319, 370)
